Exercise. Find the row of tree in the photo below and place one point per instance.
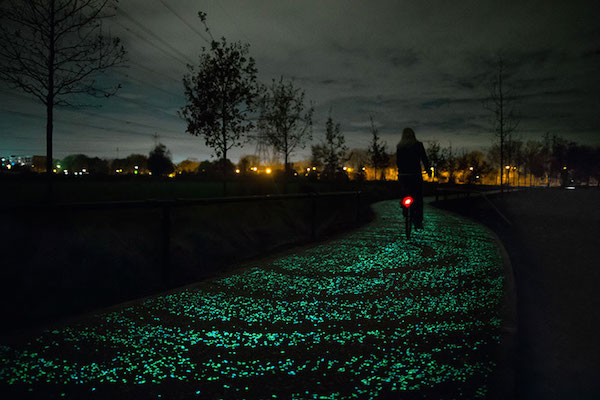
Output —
(551, 160)
(53, 49)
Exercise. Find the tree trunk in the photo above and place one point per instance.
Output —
(224, 168)
(50, 106)
(286, 171)
(224, 135)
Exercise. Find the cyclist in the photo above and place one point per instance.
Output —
(410, 153)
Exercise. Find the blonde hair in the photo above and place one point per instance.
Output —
(408, 138)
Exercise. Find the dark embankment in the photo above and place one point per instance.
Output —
(553, 243)
(58, 263)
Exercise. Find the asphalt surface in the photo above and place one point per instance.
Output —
(368, 314)
(552, 240)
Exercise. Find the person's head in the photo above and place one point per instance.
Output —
(408, 137)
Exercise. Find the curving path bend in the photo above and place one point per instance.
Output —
(365, 315)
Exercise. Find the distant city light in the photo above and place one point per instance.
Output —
(84, 170)
(136, 167)
(345, 168)
(9, 166)
(314, 168)
(255, 169)
(508, 167)
(268, 170)
(470, 168)
(565, 167)
(570, 187)
(58, 166)
(237, 171)
(307, 169)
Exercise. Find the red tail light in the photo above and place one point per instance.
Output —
(407, 201)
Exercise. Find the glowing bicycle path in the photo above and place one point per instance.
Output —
(361, 316)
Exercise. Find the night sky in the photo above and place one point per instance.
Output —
(423, 64)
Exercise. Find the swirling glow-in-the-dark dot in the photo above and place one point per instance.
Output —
(357, 317)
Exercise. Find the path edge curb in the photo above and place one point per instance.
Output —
(502, 382)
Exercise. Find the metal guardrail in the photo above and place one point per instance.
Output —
(446, 192)
(166, 205)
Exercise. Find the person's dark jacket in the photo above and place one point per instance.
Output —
(409, 158)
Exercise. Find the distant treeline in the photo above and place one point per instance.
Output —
(549, 161)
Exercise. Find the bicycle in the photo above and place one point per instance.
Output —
(406, 203)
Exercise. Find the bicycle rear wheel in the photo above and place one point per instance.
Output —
(408, 223)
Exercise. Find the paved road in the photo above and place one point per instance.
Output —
(365, 315)
(553, 241)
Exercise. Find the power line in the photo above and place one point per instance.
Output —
(146, 105)
(193, 28)
(143, 38)
(145, 68)
(87, 125)
(231, 19)
(136, 102)
(150, 33)
(145, 83)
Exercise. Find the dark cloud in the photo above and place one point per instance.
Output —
(420, 64)
(403, 58)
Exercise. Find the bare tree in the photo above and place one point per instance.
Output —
(220, 93)
(501, 103)
(532, 156)
(284, 119)
(51, 49)
(449, 157)
(378, 157)
(333, 148)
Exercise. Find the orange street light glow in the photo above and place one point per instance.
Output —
(268, 170)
